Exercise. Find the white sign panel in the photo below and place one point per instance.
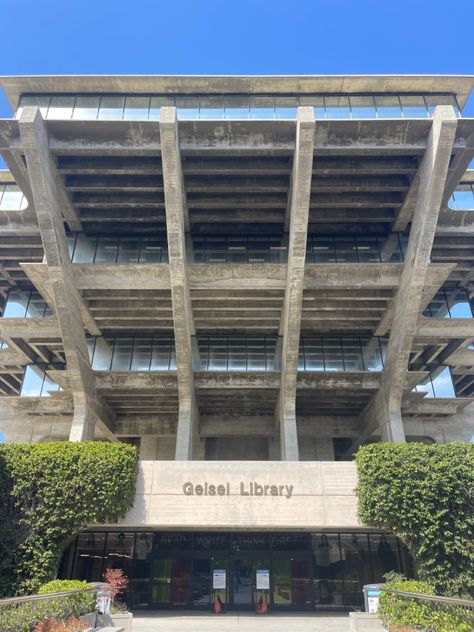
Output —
(219, 577)
(263, 580)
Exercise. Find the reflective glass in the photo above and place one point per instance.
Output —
(37, 307)
(119, 551)
(122, 355)
(237, 355)
(368, 250)
(372, 354)
(385, 555)
(388, 107)
(153, 252)
(102, 354)
(439, 99)
(333, 354)
(237, 107)
(49, 385)
(413, 107)
(61, 107)
(136, 108)
(346, 250)
(362, 107)
(352, 351)
(355, 564)
(86, 108)
(16, 305)
(321, 250)
(141, 354)
(163, 355)
(111, 108)
(285, 108)
(156, 103)
(107, 249)
(256, 356)
(425, 387)
(211, 108)
(84, 250)
(32, 381)
(11, 198)
(128, 251)
(262, 108)
(90, 554)
(318, 105)
(327, 569)
(462, 199)
(40, 101)
(337, 107)
(187, 108)
(443, 383)
(312, 354)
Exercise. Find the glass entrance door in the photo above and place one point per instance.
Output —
(170, 582)
(244, 592)
(292, 583)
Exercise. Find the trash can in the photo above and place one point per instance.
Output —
(371, 597)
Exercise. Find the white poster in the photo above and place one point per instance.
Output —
(219, 577)
(263, 580)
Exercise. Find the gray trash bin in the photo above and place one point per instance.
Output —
(371, 597)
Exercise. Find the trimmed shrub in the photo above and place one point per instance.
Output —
(49, 492)
(424, 494)
(78, 604)
(398, 612)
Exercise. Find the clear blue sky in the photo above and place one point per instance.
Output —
(243, 37)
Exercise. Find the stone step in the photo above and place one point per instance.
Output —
(365, 622)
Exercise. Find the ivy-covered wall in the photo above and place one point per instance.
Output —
(424, 494)
(48, 492)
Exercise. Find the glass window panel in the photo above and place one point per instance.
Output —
(162, 356)
(313, 355)
(86, 108)
(352, 354)
(459, 304)
(217, 353)
(41, 101)
(136, 108)
(49, 385)
(106, 251)
(256, 354)
(153, 252)
(187, 108)
(425, 387)
(413, 107)
(90, 555)
(372, 354)
(32, 381)
(333, 354)
(102, 354)
(356, 567)
(119, 551)
(128, 251)
(362, 107)
(85, 248)
(211, 108)
(262, 108)
(432, 100)
(443, 384)
(90, 342)
(317, 103)
(368, 250)
(346, 251)
(385, 555)
(322, 250)
(337, 107)
(16, 304)
(237, 354)
(111, 108)
(328, 570)
(12, 199)
(156, 103)
(61, 107)
(37, 307)
(71, 243)
(141, 354)
(237, 107)
(285, 107)
(388, 107)
(122, 354)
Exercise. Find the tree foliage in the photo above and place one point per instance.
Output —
(424, 494)
(48, 492)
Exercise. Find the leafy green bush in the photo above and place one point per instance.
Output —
(395, 610)
(78, 604)
(24, 617)
(49, 492)
(424, 494)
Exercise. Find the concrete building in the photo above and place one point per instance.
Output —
(247, 278)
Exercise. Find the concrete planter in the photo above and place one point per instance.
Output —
(119, 620)
(89, 619)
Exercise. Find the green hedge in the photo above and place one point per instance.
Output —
(403, 611)
(49, 492)
(424, 494)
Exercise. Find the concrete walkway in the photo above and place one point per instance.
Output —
(240, 622)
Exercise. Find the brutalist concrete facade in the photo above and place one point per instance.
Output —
(309, 271)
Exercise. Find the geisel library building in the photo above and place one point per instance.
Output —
(247, 278)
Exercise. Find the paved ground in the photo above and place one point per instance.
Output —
(243, 622)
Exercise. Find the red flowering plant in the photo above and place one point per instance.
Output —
(117, 582)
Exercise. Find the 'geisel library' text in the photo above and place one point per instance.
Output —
(243, 489)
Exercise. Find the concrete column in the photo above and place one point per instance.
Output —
(177, 225)
(384, 410)
(290, 324)
(49, 198)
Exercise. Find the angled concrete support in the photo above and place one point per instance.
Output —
(45, 186)
(290, 324)
(384, 410)
(177, 225)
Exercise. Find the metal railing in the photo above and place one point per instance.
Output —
(462, 609)
(21, 614)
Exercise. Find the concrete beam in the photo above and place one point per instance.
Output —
(445, 328)
(48, 199)
(290, 323)
(177, 225)
(384, 409)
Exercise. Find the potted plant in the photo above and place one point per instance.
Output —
(115, 613)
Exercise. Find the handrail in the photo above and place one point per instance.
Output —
(13, 601)
(453, 601)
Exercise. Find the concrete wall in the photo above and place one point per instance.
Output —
(314, 495)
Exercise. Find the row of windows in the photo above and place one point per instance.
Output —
(118, 107)
(463, 198)
(226, 249)
(450, 304)
(26, 304)
(11, 198)
(329, 354)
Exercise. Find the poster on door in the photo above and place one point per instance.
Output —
(263, 580)
(219, 577)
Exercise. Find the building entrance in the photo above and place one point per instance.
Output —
(299, 571)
